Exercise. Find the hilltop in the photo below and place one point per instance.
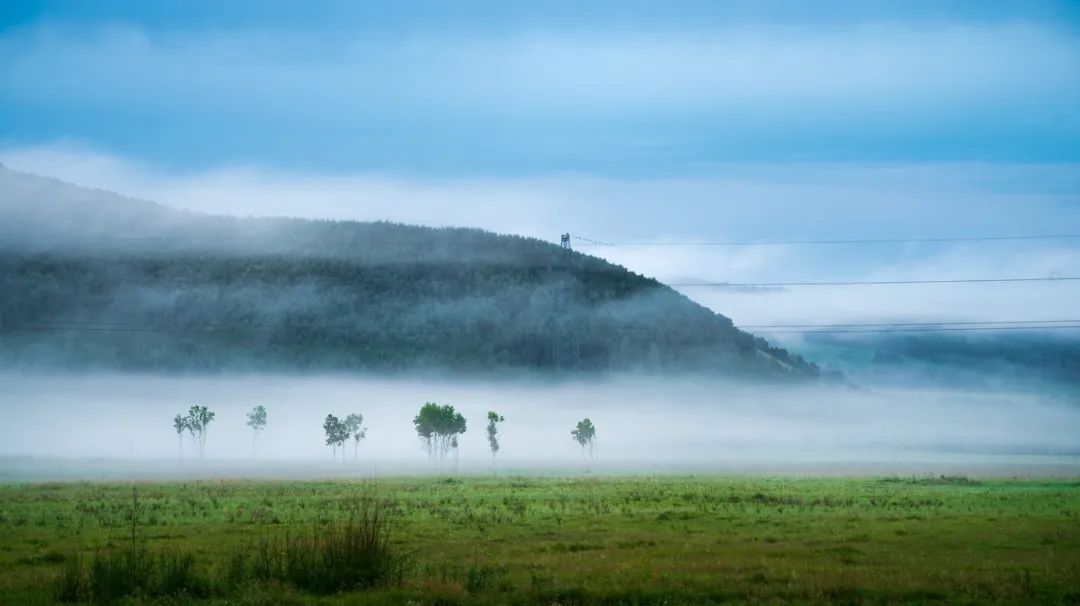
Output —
(95, 280)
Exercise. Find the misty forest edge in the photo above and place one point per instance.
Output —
(130, 285)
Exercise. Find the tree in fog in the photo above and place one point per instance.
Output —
(192, 431)
(585, 435)
(438, 428)
(455, 451)
(336, 434)
(180, 424)
(353, 423)
(424, 422)
(198, 422)
(257, 422)
(493, 431)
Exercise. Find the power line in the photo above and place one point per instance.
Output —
(868, 282)
(922, 330)
(898, 327)
(897, 324)
(147, 329)
(589, 242)
(218, 325)
(107, 323)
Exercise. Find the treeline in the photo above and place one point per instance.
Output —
(1031, 360)
(439, 426)
(187, 311)
(93, 280)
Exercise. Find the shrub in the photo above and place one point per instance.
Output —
(355, 554)
(337, 556)
(178, 576)
(115, 575)
(111, 576)
(71, 584)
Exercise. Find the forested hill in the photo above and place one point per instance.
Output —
(93, 280)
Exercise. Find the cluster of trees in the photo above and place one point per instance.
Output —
(339, 431)
(585, 435)
(196, 422)
(438, 426)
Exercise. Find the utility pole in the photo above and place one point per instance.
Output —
(566, 355)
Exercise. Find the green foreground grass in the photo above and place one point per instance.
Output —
(635, 540)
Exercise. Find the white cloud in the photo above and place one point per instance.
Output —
(745, 202)
(754, 68)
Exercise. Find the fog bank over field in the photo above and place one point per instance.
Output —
(676, 424)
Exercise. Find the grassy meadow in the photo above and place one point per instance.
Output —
(534, 540)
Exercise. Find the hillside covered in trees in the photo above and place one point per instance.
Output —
(986, 361)
(93, 280)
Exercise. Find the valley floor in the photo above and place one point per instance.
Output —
(581, 540)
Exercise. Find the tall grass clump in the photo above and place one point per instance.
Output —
(71, 584)
(348, 555)
(112, 576)
(130, 572)
(340, 556)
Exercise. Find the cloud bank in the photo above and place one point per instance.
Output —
(743, 203)
(642, 101)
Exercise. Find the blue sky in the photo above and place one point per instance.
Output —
(623, 121)
(497, 88)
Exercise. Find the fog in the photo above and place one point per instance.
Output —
(56, 423)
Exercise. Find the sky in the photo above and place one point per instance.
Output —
(626, 122)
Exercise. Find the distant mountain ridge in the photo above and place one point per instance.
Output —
(1010, 360)
(94, 280)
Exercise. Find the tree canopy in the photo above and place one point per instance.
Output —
(585, 435)
(337, 432)
(438, 428)
(494, 419)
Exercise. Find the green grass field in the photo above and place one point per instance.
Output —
(632, 540)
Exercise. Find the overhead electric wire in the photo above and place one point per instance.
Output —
(589, 242)
(869, 282)
(923, 330)
(892, 324)
(221, 325)
(898, 327)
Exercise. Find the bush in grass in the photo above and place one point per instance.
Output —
(71, 584)
(115, 575)
(177, 577)
(112, 576)
(338, 556)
